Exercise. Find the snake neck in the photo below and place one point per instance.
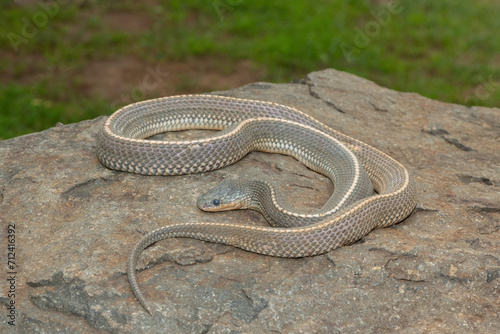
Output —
(249, 193)
(258, 196)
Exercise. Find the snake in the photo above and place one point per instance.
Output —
(371, 189)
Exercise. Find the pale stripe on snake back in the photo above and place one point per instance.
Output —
(344, 219)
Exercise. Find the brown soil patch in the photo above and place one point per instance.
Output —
(128, 22)
(128, 79)
(125, 78)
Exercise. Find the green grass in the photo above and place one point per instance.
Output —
(446, 50)
(24, 111)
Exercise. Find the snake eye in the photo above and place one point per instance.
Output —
(216, 202)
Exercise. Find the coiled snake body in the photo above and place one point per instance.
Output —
(248, 125)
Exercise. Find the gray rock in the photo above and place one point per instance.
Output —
(438, 271)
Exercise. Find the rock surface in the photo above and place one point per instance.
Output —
(436, 272)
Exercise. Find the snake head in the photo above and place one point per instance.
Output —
(226, 196)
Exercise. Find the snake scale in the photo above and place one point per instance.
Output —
(353, 210)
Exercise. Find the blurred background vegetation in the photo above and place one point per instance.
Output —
(70, 61)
